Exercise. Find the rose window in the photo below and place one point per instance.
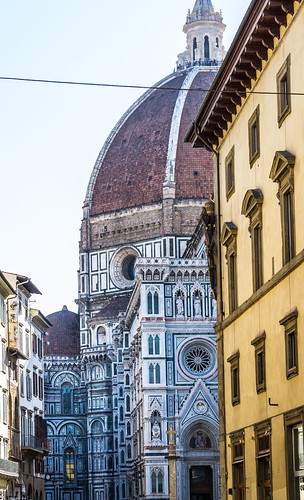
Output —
(198, 359)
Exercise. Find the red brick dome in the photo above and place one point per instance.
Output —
(63, 337)
(146, 148)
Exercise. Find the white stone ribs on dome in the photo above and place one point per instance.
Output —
(113, 133)
(175, 125)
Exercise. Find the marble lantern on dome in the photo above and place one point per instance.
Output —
(204, 28)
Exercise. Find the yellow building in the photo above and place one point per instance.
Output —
(252, 119)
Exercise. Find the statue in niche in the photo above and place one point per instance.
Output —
(179, 305)
(156, 431)
(155, 428)
(197, 305)
(213, 305)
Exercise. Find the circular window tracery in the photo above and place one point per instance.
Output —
(197, 359)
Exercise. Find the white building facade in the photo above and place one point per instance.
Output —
(26, 425)
(9, 469)
(172, 365)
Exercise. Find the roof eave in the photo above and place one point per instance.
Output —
(249, 24)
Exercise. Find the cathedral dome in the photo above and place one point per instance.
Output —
(146, 149)
(145, 155)
(63, 337)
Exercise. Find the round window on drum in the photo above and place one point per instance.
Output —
(198, 360)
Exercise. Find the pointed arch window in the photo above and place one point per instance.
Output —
(206, 48)
(160, 482)
(153, 303)
(156, 344)
(194, 48)
(154, 374)
(128, 429)
(66, 398)
(156, 303)
(149, 303)
(110, 443)
(157, 481)
(129, 451)
(69, 466)
(127, 379)
(153, 481)
(128, 404)
(150, 343)
(121, 414)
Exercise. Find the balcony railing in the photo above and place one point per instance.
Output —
(200, 62)
(14, 446)
(34, 442)
(9, 468)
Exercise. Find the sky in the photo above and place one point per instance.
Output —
(50, 135)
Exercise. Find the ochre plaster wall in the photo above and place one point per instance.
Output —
(281, 292)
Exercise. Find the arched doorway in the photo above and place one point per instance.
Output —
(200, 461)
(30, 492)
(201, 483)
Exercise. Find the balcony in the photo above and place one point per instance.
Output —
(33, 445)
(8, 468)
(14, 446)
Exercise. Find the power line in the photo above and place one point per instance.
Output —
(142, 87)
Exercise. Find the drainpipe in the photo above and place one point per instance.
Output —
(220, 316)
(220, 340)
(218, 187)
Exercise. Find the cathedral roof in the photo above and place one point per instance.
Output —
(63, 337)
(146, 149)
(113, 307)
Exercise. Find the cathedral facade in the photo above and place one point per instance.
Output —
(139, 361)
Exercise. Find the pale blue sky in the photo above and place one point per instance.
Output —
(51, 135)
